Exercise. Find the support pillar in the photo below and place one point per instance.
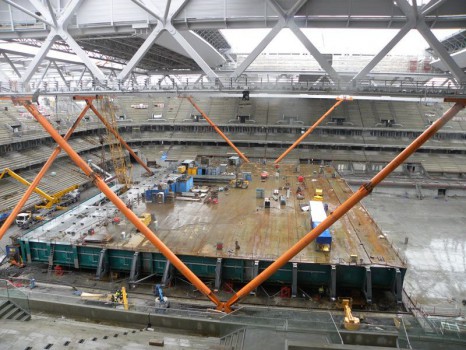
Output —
(255, 273)
(167, 274)
(102, 267)
(368, 285)
(28, 252)
(218, 274)
(135, 268)
(398, 286)
(74, 249)
(50, 253)
(294, 281)
(333, 283)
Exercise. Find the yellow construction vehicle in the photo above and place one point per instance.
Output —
(350, 322)
(319, 194)
(57, 198)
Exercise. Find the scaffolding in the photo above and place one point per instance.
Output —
(123, 169)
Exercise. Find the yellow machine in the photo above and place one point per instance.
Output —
(239, 183)
(319, 194)
(119, 297)
(50, 200)
(146, 218)
(350, 323)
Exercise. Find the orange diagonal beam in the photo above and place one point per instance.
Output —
(100, 183)
(363, 191)
(311, 129)
(88, 100)
(218, 130)
(6, 225)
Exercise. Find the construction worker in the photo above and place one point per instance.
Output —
(117, 296)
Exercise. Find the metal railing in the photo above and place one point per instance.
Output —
(371, 86)
(10, 291)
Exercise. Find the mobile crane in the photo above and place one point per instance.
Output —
(61, 198)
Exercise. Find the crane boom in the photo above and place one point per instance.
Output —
(27, 183)
(50, 199)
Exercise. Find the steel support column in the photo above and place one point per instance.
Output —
(135, 267)
(129, 214)
(363, 191)
(218, 275)
(74, 249)
(102, 266)
(368, 285)
(255, 273)
(17, 209)
(310, 130)
(190, 99)
(294, 281)
(398, 286)
(333, 283)
(167, 274)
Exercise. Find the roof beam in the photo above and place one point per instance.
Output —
(431, 6)
(441, 52)
(59, 72)
(32, 67)
(425, 31)
(377, 58)
(164, 24)
(11, 64)
(26, 11)
(323, 63)
(191, 51)
(58, 28)
(52, 13)
(282, 19)
(141, 52)
(286, 19)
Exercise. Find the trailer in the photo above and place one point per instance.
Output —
(317, 215)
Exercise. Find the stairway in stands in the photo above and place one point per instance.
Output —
(10, 311)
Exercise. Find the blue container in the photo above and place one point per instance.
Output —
(185, 185)
(247, 176)
(173, 187)
(199, 171)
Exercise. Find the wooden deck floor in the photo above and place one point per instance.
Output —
(195, 228)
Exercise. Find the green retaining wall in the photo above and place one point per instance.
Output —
(235, 270)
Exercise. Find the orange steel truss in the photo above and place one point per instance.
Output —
(16, 210)
(363, 191)
(129, 214)
(311, 129)
(190, 99)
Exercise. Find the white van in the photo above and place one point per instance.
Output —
(22, 218)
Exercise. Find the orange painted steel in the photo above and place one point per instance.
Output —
(218, 130)
(363, 191)
(100, 183)
(88, 100)
(6, 225)
(311, 129)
